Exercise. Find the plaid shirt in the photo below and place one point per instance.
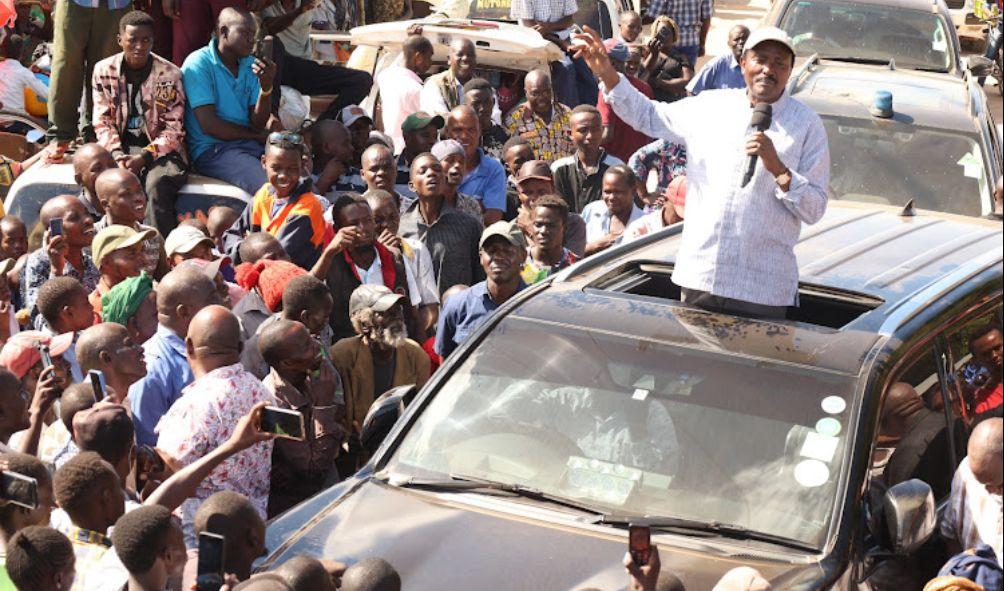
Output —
(550, 141)
(688, 15)
(545, 11)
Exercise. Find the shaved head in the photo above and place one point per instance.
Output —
(215, 328)
(375, 151)
(371, 574)
(112, 179)
(86, 154)
(56, 207)
(901, 403)
(96, 339)
(230, 16)
(462, 113)
(986, 454)
(181, 294)
(538, 76)
(303, 573)
(282, 339)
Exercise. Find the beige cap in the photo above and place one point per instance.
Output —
(764, 34)
(115, 237)
(508, 230)
(374, 297)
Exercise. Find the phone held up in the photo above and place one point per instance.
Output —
(283, 422)
(55, 227)
(19, 489)
(97, 378)
(210, 566)
(640, 543)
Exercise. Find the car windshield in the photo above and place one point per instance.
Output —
(638, 427)
(873, 33)
(880, 162)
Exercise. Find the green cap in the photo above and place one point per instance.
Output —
(508, 231)
(115, 237)
(421, 120)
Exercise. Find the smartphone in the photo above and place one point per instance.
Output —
(639, 543)
(19, 489)
(265, 48)
(283, 422)
(148, 460)
(576, 30)
(662, 34)
(97, 378)
(43, 351)
(210, 566)
(55, 227)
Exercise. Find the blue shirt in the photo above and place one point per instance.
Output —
(208, 82)
(721, 72)
(486, 183)
(167, 373)
(463, 314)
(111, 4)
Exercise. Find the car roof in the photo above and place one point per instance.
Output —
(927, 99)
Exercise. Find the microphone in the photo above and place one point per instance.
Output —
(762, 114)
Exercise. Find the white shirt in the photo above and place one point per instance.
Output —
(400, 96)
(738, 242)
(421, 277)
(432, 101)
(13, 79)
(296, 37)
(973, 515)
(646, 224)
(597, 218)
(373, 275)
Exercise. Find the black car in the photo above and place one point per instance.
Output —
(598, 399)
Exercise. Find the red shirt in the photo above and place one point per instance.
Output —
(988, 399)
(624, 139)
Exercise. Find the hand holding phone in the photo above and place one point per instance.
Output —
(55, 227)
(18, 489)
(283, 422)
(97, 378)
(210, 566)
(43, 351)
(640, 544)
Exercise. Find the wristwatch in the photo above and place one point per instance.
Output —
(784, 178)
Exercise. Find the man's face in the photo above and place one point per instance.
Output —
(387, 329)
(123, 262)
(465, 129)
(80, 313)
(454, 169)
(617, 194)
(14, 241)
(307, 353)
(283, 168)
(386, 217)
(423, 61)
(126, 202)
(14, 403)
(463, 59)
(379, 170)
(127, 357)
(988, 351)
(737, 39)
(78, 227)
(421, 140)
(517, 156)
(532, 189)
(990, 474)
(630, 27)
(361, 216)
(136, 44)
(360, 131)
(539, 94)
(99, 162)
(482, 102)
(317, 318)
(143, 323)
(766, 69)
(203, 250)
(501, 260)
(587, 131)
(427, 177)
(633, 64)
(239, 37)
(548, 228)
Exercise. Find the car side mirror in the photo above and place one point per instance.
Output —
(910, 517)
(383, 414)
(979, 65)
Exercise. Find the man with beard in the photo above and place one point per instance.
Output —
(380, 356)
(503, 252)
(301, 379)
(733, 227)
(354, 258)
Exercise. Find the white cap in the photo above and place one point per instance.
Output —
(183, 239)
(353, 113)
(764, 34)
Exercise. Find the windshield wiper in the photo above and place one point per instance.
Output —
(690, 526)
(461, 482)
(858, 60)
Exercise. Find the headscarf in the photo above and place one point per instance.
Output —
(122, 301)
(269, 278)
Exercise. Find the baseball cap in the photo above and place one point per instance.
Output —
(183, 239)
(20, 352)
(507, 230)
(115, 237)
(353, 113)
(445, 148)
(764, 34)
(102, 422)
(534, 170)
(210, 268)
(375, 297)
(421, 120)
(616, 49)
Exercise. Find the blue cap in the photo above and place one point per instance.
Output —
(882, 104)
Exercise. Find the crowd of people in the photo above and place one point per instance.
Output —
(373, 246)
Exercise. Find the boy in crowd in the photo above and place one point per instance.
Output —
(124, 201)
(63, 303)
(41, 559)
(89, 161)
(149, 543)
(284, 207)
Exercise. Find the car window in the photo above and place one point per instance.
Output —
(31, 196)
(845, 30)
(976, 353)
(591, 12)
(889, 164)
(641, 428)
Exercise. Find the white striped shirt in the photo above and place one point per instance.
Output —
(738, 241)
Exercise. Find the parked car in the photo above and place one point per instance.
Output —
(598, 398)
(939, 147)
(41, 182)
(914, 34)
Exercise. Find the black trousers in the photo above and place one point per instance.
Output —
(312, 78)
(163, 179)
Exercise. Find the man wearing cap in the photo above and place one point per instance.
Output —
(535, 180)
(620, 139)
(503, 252)
(380, 356)
(485, 179)
(401, 87)
(578, 178)
(188, 242)
(360, 125)
(452, 156)
(737, 254)
(445, 91)
(421, 132)
(724, 71)
(118, 253)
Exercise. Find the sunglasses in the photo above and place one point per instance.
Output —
(285, 139)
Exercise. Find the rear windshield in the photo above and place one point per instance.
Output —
(591, 12)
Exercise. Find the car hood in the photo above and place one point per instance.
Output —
(466, 541)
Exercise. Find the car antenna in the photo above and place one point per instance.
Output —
(892, 63)
(908, 210)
